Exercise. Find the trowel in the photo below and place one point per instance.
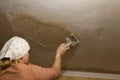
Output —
(73, 39)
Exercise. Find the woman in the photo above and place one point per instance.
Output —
(14, 62)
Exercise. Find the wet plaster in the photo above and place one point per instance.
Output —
(5, 29)
(48, 35)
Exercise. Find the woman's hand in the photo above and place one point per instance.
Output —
(63, 48)
(60, 51)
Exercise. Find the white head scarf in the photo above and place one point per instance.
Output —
(15, 48)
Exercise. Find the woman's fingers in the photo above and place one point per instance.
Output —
(67, 48)
(67, 45)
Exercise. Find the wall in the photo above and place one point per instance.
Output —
(45, 24)
(79, 78)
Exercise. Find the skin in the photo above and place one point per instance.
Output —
(61, 50)
(24, 59)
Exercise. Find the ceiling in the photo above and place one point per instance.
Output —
(46, 23)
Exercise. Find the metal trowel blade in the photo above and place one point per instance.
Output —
(72, 38)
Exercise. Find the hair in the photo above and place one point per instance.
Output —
(5, 63)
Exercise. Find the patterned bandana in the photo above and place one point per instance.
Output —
(15, 48)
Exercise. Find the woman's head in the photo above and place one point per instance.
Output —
(15, 50)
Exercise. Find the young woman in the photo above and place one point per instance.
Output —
(14, 62)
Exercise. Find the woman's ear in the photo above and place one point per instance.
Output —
(24, 59)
